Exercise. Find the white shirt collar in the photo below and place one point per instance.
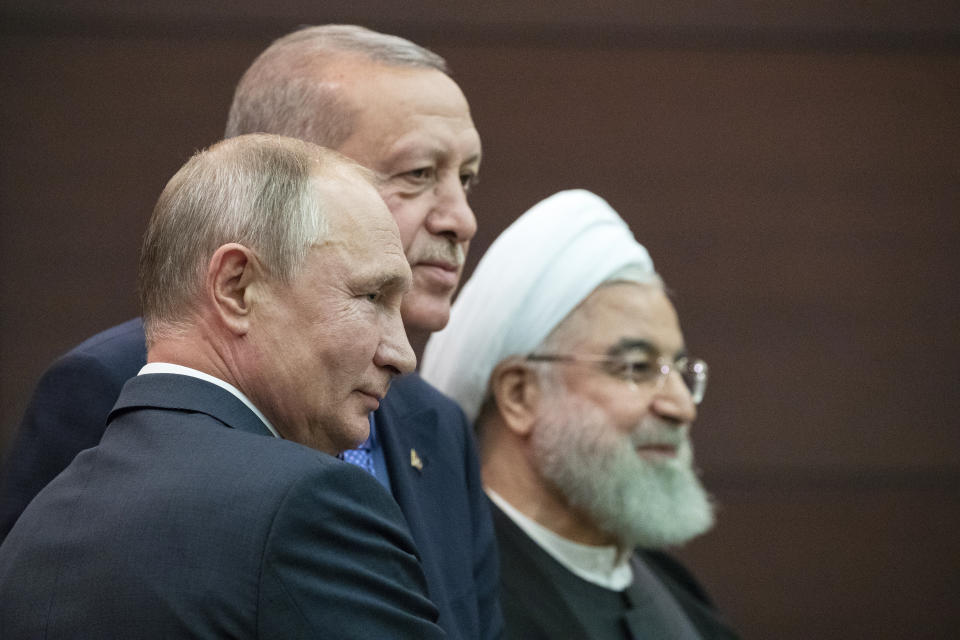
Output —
(166, 367)
(603, 566)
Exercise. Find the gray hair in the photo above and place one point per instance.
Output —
(284, 92)
(255, 190)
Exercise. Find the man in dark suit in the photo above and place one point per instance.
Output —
(583, 395)
(271, 279)
(392, 106)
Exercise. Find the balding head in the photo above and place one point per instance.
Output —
(253, 190)
(274, 265)
(392, 106)
(291, 89)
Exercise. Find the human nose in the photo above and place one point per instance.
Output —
(394, 351)
(451, 214)
(673, 400)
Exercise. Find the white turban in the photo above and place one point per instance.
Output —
(539, 269)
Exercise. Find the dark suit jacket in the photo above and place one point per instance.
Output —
(190, 519)
(536, 607)
(441, 496)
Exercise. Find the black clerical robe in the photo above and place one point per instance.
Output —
(542, 599)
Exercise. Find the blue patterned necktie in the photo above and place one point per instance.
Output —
(361, 457)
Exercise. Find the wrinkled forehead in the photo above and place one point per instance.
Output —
(390, 104)
(619, 315)
(403, 87)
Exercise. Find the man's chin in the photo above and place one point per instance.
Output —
(354, 433)
(424, 313)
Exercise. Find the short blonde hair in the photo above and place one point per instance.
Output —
(255, 190)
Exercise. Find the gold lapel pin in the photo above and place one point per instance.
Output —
(415, 460)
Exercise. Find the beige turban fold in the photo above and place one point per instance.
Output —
(539, 269)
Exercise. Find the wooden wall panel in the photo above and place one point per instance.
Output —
(680, 21)
(793, 171)
(92, 129)
(834, 563)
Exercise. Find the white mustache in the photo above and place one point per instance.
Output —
(441, 252)
(652, 432)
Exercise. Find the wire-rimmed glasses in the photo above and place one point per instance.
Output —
(641, 371)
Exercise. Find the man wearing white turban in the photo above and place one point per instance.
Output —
(567, 354)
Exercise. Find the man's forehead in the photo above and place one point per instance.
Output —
(384, 235)
(389, 273)
(359, 76)
(353, 206)
(423, 144)
(638, 299)
(626, 316)
(368, 251)
(377, 90)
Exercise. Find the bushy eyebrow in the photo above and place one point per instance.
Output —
(430, 151)
(384, 282)
(474, 159)
(630, 345)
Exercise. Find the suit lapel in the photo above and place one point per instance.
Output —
(408, 464)
(404, 431)
(653, 611)
(706, 619)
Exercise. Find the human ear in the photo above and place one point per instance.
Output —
(232, 272)
(517, 393)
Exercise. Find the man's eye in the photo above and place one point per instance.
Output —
(372, 297)
(420, 174)
(633, 370)
(469, 180)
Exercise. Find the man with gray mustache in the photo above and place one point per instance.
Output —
(566, 352)
(392, 106)
(445, 259)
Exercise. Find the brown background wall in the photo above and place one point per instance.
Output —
(793, 168)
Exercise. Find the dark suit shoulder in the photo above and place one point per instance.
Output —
(68, 413)
(124, 337)
(218, 530)
(335, 541)
(428, 414)
(338, 554)
(412, 393)
(98, 365)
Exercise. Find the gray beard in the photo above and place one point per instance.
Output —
(640, 502)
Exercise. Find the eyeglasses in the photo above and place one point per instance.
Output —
(641, 371)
